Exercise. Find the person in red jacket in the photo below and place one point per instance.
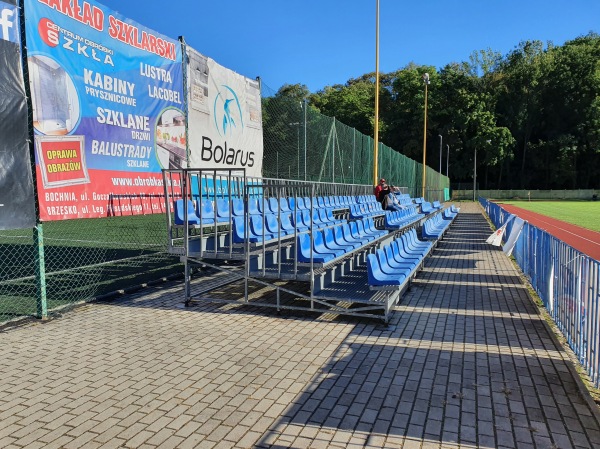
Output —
(382, 190)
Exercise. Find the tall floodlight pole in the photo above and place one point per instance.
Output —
(426, 82)
(447, 158)
(305, 104)
(474, 172)
(376, 135)
(440, 136)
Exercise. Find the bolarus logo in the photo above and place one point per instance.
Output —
(227, 112)
(8, 23)
(229, 121)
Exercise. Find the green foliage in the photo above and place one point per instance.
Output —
(532, 116)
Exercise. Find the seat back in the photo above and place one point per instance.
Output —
(306, 218)
(206, 210)
(274, 205)
(374, 273)
(323, 215)
(238, 230)
(179, 217)
(237, 207)
(263, 206)
(271, 224)
(291, 203)
(253, 206)
(256, 226)
(223, 208)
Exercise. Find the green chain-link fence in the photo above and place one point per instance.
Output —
(300, 143)
(67, 262)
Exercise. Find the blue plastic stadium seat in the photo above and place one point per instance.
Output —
(413, 244)
(291, 201)
(385, 266)
(222, 210)
(350, 237)
(304, 251)
(376, 277)
(338, 235)
(426, 208)
(179, 219)
(239, 230)
(205, 211)
(237, 207)
(395, 263)
(286, 223)
(359, 233)
(331, 244)
(317, 219)
(401, 255)
(257, 228)
(253, 206)
(321, 248)
(274, 205)
(272, 226)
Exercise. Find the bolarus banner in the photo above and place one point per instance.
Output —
(17, 204)
(225, 119)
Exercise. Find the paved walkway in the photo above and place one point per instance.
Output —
(467, 362)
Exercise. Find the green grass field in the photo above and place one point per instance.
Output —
(581, 213)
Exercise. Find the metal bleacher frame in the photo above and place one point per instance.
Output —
(339, 286)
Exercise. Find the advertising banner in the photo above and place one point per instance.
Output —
(108, 110)
(17, 206)
(225, 118)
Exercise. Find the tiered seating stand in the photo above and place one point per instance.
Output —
(277, 243)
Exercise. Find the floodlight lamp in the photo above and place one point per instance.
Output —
(426, 78)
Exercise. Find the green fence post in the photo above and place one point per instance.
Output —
(40, 274)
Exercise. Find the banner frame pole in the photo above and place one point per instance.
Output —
(38, 232)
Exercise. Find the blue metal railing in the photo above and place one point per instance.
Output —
(568, 283)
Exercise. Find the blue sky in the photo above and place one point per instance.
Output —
(326, 42)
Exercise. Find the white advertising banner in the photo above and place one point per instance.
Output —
(224, 117)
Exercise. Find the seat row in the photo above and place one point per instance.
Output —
(360, 199)
(204, 212)
(436, 226)
(395, 263)
(204, 209)
(402, 218)
(404, 199)
(271, 227)
(330, 244)
(362, 210)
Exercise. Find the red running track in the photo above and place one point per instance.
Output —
(584, 240)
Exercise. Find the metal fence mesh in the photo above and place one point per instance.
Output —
(82, 259)
(568, 283)
(301, 143)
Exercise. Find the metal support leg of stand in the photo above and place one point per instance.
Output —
(278, 301)
(187, 276)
